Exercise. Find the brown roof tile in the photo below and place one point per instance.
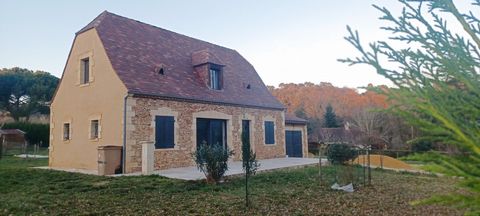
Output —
(293, 119)
(135, 49)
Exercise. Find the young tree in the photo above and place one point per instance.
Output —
(212, 160)
(436, 74)
(330, 118)
(249, 163)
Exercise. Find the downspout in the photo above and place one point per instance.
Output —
(124, 150)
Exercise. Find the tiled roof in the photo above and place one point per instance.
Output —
(293, 119)
(135, 49)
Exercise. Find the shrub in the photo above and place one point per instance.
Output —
(35, 133)
(212, 161)
(422, 146)
(340, 153)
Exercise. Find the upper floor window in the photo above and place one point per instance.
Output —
(215, 78)
(66, 131)
(84, 71)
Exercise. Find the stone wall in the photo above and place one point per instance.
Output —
(140, 127)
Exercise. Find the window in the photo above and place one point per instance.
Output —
(269, 132)
(85, 71)
(94, 129)
(211, 132)
(66, 131)
(215, 78)
(164, 132)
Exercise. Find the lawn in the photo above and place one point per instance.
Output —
(25, 191)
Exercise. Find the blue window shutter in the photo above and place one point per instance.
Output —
(266, 132)
(164, 132)
(272, 128)
(269, 132)
(169, 132)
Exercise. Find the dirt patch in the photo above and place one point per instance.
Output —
(386, 161)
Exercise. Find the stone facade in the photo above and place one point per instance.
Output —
(140, 127)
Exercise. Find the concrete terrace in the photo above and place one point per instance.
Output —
(235, 168)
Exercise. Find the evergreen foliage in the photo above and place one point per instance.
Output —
(330, 118)
(436, 74)
(212, 161)
(24, 92)
(35, 133)
(340, 153)
(249, 163)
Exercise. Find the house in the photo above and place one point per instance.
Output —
(126, 82)
(348, 135)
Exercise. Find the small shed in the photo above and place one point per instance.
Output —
(295, 136)
(10, 138)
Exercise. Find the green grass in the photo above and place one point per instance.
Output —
(30, 150)
(27, 191)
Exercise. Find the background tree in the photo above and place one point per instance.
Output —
(330, 118)
(24, 92)
(436, 74)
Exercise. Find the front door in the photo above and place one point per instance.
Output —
(293, 143)
(246, 129)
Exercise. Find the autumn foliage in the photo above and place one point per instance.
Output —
(314, 98)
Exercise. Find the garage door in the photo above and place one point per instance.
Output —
(293, 142)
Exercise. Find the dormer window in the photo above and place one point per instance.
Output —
(215, 78)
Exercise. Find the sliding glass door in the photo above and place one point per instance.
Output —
(211, 132)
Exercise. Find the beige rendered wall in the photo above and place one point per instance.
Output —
(303, 129)
(140, 127)
(102, 99)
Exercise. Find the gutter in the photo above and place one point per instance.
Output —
(124, 150)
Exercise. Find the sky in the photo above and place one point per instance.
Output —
(285, 40)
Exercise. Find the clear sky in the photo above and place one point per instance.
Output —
(286, 41)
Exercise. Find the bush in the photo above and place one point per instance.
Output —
(422, 146)
(340, 153)
(35, 133)
(212, 161)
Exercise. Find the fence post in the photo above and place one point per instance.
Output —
(320, 153)
(25, 149)
(1, 146)
(364, 167)
(148, 149)
(381, 159)
(369, 169)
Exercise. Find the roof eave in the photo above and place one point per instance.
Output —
(191, 100)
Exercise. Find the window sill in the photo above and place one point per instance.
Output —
(274, 144)
(84, 85)
(167, 149)
(94, 139)
(66, 141)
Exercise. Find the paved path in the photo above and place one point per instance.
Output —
(235, 168)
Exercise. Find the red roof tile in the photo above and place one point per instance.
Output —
(135, 49)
